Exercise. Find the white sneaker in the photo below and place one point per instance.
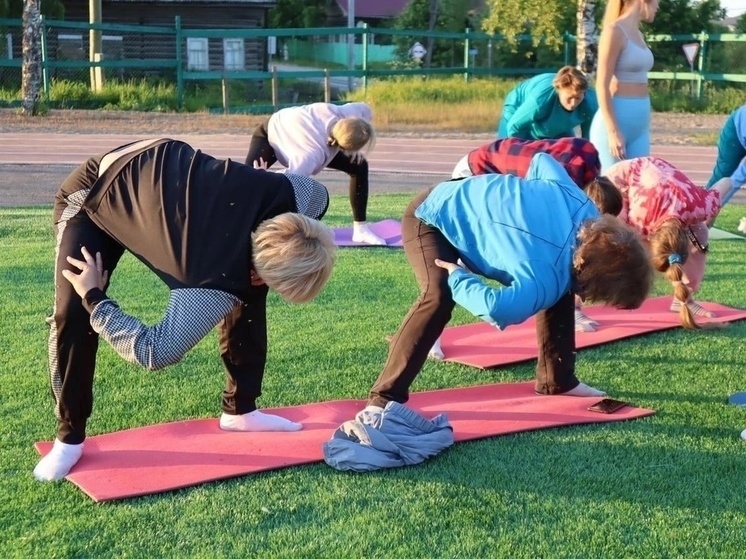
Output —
(361, 233)
(742, 225)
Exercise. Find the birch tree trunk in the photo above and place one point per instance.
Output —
(587, 37)
(31, 70)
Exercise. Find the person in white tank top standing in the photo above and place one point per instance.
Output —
(621, 126)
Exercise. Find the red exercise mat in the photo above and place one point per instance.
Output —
(484, 346)
(170, 456)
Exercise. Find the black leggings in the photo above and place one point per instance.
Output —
(357, 170)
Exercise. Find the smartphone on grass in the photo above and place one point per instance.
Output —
(607, 405)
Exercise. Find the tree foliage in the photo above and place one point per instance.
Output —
(52, 9)
(549, 19)
(685, 16)
(298, 13)
(544, 20)
(741, 24)
(451, 15)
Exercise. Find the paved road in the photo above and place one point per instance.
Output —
(33, 165)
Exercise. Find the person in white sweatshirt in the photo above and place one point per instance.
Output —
(309, 138)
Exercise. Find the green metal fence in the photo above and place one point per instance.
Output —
(257, 67)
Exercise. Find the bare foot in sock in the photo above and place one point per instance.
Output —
(695, 308)
(436, 352)
(583, 323)
(257, 421)
(58, 462)
(361, 233)
(584, 390)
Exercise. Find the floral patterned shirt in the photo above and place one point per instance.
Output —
(654, 191)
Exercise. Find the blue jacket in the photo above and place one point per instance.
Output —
(532, 111)
(520, 232)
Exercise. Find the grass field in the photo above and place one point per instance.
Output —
(671, 485)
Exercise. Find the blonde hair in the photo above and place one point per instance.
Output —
(611, 264)
(614, 9)
(294, 255)
(669, 251)
(569, 77)
(353, 134)
(606, 196)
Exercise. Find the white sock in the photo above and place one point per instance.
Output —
(695, 308)
(257, 421)
(361, 233)
(582, 326)
(436, 352)
(59, 461)
(584, 390)
(580, 316)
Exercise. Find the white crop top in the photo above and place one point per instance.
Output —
(634, 62)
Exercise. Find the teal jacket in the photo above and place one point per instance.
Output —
(532, 111)
(520, 232)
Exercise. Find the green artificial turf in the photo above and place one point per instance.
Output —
(671, 485)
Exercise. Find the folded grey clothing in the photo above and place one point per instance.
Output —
(397, 436)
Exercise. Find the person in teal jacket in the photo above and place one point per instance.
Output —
(549, 106)
(730, 166)
(540, 237)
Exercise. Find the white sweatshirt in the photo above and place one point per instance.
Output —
(299, 135)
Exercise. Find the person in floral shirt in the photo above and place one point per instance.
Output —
(672, 215)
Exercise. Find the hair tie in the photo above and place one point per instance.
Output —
(674, 258)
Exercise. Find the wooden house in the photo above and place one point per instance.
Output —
(199, 53)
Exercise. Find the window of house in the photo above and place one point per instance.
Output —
(233, 54)
(70, 47)
(197, 54)
(112, 47)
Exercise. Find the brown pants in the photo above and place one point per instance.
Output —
(425, 321)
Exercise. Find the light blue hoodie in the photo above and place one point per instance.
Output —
(520, 232)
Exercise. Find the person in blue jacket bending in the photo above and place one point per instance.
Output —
(549, 106)
(540, 237)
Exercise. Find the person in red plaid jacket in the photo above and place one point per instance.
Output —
(512, 156)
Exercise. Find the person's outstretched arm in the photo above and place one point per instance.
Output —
(610, 46)
(536, 108)
(502, 306)
(190, 315)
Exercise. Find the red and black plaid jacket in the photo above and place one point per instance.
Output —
(512, 156)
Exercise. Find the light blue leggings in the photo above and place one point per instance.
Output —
(633, 118)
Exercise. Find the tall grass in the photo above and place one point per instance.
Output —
(450, 103)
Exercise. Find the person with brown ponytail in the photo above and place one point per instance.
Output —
(671, 213)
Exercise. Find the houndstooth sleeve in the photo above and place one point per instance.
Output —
(190, 315)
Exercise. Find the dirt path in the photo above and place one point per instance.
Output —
(667, 128)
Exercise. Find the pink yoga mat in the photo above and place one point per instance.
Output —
(170, 456)
(388, 229)
(484, 346)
